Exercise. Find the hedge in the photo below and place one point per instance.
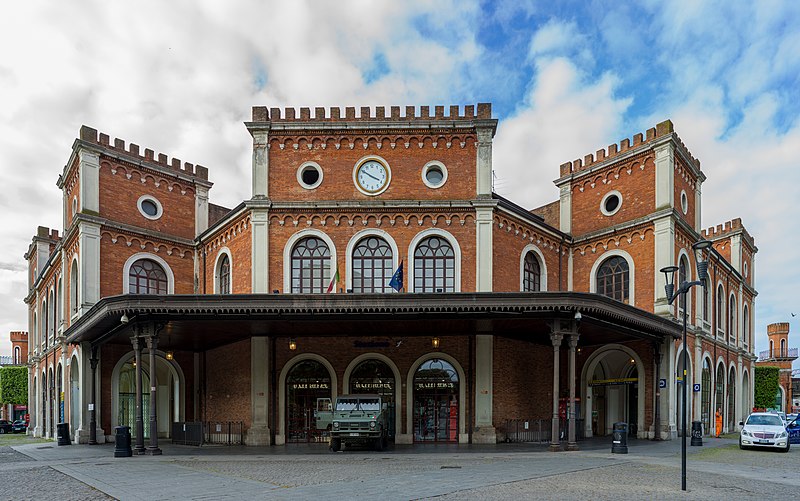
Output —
(14, 385)
(767, 382)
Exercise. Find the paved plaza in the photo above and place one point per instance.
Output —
(651, 470)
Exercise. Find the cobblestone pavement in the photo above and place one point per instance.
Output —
(719, 470)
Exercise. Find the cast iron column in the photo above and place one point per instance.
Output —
(137, 350)
(92, 412)
(555, 444)
(152, 449)
(657, 356)
(572, 340)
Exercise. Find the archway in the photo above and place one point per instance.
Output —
(613, 385)
(170, 394)
(719, 398)
(731, 400)
(74, 394)
(376, 375)
(679, 387)
(306, 382)
(745, 397)
(705, 396)
(436, 405)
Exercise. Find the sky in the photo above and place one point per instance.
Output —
(565, 78)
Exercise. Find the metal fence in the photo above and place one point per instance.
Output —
(539, 430)
(214, 432)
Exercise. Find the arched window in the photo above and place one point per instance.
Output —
(720, 396)
(705, 396)
(73, 288)
(224, 275)
(17, 356)
(310, 266)
(372, 265)
(51, 318)
(434, 266)
(531, 274)
(771, 348)
(34, 334)
(147, 277)
(613, 279)
(746, 326)
(732, 320)
(720, 318)
(706, 300)
(683, 276)
(43, 325)
(783, 348)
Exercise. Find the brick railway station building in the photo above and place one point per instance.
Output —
(260, 312)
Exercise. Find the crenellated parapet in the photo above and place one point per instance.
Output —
(91, 135)
(378, 114)
(726, 229)
(662, 129)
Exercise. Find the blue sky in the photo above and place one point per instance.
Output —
(565, 79)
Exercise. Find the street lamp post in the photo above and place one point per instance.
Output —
(672, 294)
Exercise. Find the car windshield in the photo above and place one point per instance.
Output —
(360, 404)
(765, 420)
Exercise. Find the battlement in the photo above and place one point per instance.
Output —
(778, 328)
(91, 135)
(366, 114)
(662, 129)
(45, 232)
(722, 230)
(18, 336)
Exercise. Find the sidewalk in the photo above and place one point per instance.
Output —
(303, 471)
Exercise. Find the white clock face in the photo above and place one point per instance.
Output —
(372, 177)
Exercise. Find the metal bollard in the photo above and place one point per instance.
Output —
(619, 444)
(697, 433)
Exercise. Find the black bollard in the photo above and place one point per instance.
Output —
(697, 433)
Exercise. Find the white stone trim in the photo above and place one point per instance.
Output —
(223, 251)
(427, 167)
(542, 266)
(351, 245)
(631, 273)
(151, 198)
(409, 270)
(380, 160)
(309, 166)
(280, 434)
(684, 202)
(463, 437)
(146, 255)
(606, 197)
(287, 255)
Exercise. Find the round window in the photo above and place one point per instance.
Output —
(434, 174)
(309, 175)
(684, 202)
(611, 203)
(149, 207)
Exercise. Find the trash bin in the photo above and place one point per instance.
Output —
(122, 442)
(62, 432)
(619, 438)
(697, 433)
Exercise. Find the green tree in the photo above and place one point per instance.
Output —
(14, 385)
(767, 383)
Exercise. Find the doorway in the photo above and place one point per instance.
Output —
(436, 389)
(306, 382)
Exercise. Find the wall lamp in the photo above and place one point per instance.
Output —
(292, 344)
(435, 342)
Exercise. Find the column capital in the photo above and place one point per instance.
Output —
(572, 340)
(152, 341)
(556, 337)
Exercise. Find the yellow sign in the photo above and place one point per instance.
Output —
(619, 380)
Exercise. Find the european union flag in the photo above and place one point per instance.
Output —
(397, 279)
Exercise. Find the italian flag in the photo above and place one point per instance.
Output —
(334, 281)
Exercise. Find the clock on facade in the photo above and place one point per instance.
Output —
(372, 176)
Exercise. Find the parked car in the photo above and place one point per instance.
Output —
(764, 429)
(19, 426)
(5, 426)
(793, 429)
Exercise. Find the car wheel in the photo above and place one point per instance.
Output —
(2, 431)
(336, 444)
(379, 444)
(786, 449)
(742, 447)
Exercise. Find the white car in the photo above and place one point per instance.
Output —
(764, 429)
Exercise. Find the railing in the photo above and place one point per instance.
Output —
(539, 430)
(778, 353)
(216, 432)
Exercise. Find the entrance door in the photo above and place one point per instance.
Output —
(374, 376)
(127, 399)
(306, 382)
(436, 388)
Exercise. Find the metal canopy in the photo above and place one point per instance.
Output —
(202, 322)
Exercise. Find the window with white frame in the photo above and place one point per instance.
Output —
(720, 317)
(147, 277)
(224, 275)
(683, 276)
(372, 265)
(613, 279)
(434, 266)
(706, 301)
(310, 260)
(73, 288)
(746, 326)
(17, 356)
(531, 273)
(732, 320)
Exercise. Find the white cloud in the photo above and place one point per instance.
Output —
(565, 116)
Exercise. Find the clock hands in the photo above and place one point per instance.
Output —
(370, 175)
